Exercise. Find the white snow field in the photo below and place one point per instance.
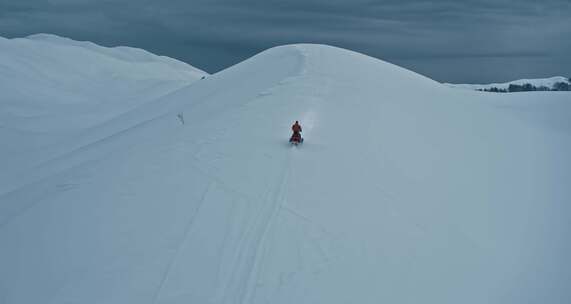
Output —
(539, 82)
(54, 88)
(405, 191)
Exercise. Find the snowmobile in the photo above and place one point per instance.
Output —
(296, 139)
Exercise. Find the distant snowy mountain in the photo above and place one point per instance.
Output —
(404, 191)
(53, 88)
(541, 84)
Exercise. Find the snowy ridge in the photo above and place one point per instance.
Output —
(398, 195)
(54, 88)
(66, 73)
(121, 53)
(540, 82)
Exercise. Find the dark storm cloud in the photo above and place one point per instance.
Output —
(467, 40)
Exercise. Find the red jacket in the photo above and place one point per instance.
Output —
(296, 128)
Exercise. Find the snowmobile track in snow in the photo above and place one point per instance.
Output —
(276, 200)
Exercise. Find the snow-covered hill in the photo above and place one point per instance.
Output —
(548, 83)
(54, 88)
(405, 191)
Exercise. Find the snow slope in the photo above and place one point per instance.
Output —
(54, 87)
(540, 82)
(405, 191)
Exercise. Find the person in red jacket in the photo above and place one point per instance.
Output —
(296, 128)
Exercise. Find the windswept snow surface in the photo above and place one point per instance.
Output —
(539, 82)
(54, 88)
(405, 191)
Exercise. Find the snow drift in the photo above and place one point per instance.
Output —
(405, 191)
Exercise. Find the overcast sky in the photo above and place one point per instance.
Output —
(447, 40)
